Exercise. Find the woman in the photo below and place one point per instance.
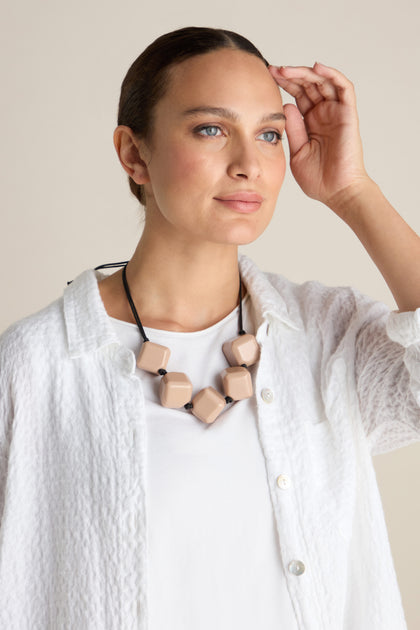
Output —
(218, 497)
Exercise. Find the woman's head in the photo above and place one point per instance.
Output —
(148, 77)
(209, 158)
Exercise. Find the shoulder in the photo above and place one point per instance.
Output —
(311, 291)
(37, 338)
(312, 304)
(313, 296)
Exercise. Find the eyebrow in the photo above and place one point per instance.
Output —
(224, 112)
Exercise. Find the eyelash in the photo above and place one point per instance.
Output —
(198, 130)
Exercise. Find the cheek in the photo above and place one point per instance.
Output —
(275, 171)
(183, 171)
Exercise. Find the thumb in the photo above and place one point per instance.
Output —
(295, 129)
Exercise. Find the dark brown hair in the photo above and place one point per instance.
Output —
(147, 79)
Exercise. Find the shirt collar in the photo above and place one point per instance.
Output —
(89, 327)
(267, 300)
(87, 322)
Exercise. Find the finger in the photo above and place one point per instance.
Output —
(301, 90)
(295, 129)
(307, 94)
(304, 102)
(329, 80)
(343, 85)
(315, 86)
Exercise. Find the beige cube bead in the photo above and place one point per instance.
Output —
(153, 357)
(208, 404)
(242, 349)
(175, 390)
(237, 383)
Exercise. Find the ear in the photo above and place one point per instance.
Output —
(131, 154)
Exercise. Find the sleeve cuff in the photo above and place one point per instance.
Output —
(404, 328)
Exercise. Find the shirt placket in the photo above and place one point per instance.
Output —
(279, 436)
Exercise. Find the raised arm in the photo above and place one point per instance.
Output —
(326, 159)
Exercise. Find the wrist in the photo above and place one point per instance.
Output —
(351, 200)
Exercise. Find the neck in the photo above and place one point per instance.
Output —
(177, 286)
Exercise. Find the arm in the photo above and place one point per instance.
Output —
(393, 246)
(326, 159)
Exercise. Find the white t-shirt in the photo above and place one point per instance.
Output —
(202, 480)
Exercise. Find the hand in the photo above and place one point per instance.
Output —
(326, 156)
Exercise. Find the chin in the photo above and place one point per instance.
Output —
(240, 235)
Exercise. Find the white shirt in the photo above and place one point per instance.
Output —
(213, 553)
(338, 380)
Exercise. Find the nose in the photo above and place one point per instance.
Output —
(244, 161)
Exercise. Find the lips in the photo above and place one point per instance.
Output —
(244, 195)
(244, 201)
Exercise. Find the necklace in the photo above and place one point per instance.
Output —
(175, 388)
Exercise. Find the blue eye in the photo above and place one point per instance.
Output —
(272, 137)
(209, 130)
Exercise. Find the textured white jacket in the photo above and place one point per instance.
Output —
(338, 380)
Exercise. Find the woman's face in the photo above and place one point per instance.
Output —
(215, 161)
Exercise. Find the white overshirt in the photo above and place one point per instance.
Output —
(338, 380)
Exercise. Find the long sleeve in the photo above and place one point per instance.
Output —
(368, 361)
(387, 363)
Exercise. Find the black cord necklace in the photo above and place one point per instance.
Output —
(176, 388)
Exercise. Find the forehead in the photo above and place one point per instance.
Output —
(222, 78)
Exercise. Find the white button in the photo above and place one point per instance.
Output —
(267, 395)
(283, 482)
(296, 567)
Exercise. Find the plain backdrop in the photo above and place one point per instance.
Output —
(65, 200)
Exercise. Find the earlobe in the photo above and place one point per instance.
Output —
(127, 146)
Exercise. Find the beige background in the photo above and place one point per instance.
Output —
(65, 201)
